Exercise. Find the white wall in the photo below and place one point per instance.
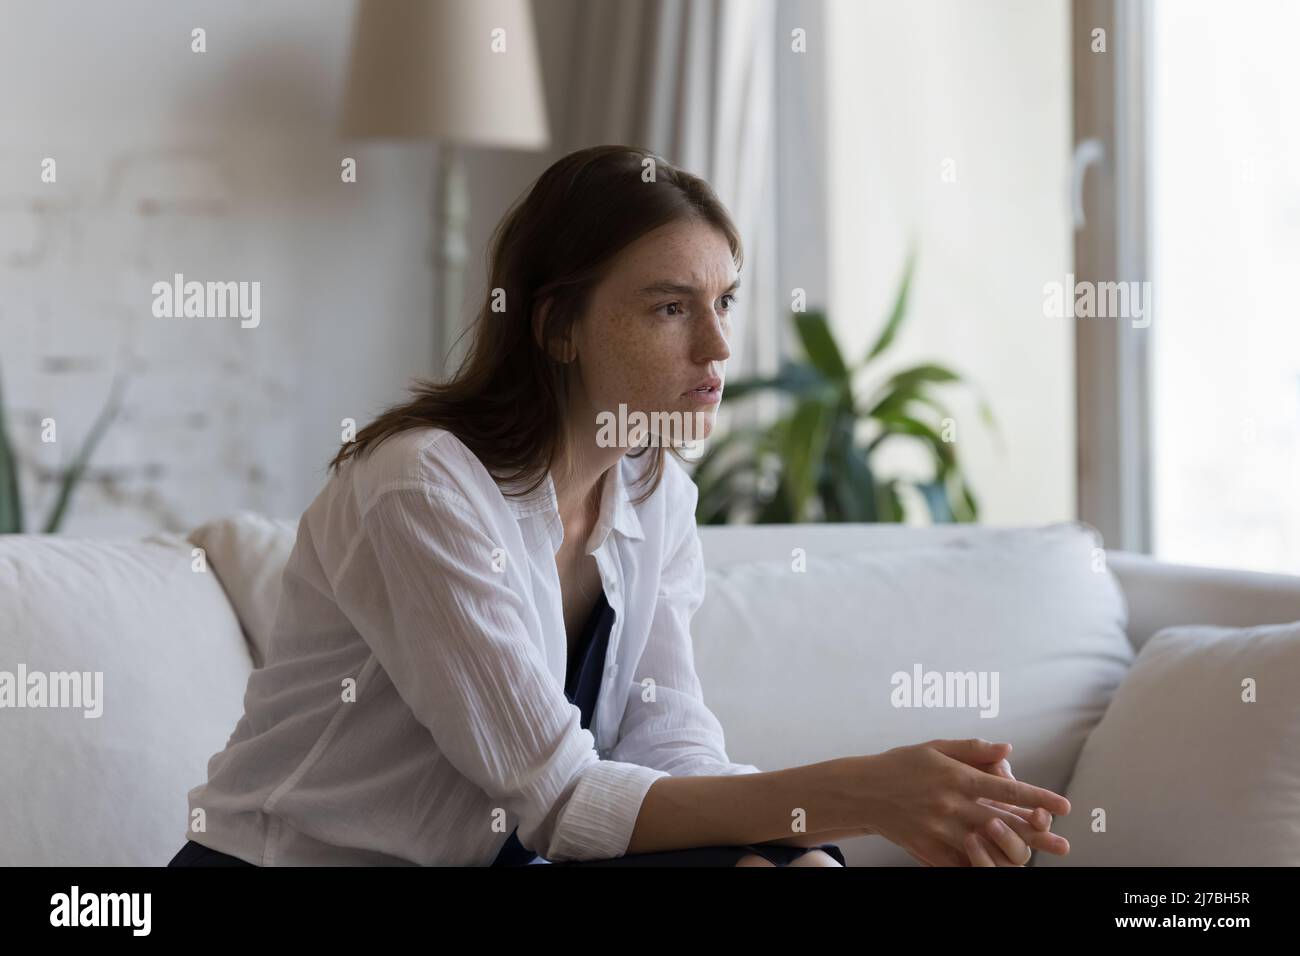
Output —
(222, 166)
(987, 85)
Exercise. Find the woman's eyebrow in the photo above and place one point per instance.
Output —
(666, 287)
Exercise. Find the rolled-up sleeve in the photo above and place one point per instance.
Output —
(675, 731)
(421, 589)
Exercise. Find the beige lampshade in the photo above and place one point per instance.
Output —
(464, 71)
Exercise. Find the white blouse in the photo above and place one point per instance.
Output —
(412, 707)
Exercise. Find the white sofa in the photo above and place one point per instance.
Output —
(797, 645)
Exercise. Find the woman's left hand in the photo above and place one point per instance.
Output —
(985, 851)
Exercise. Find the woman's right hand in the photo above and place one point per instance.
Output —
(927, 799)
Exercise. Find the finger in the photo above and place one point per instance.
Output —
(1017, 793)
(973, 750)
(1010, 842)
(1038, 818)
(978, 850)
(1036, 839)
(995, 852)
(998, 768)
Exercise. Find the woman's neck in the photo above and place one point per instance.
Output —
(578, 489)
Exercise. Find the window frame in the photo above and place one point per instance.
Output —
(1113, 359)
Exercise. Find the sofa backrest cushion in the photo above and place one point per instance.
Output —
(807, 665)
(149, 643)
(248, 552)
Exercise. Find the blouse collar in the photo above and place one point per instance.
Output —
(617, 512)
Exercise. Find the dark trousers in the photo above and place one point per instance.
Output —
(712, 856)
(196, 854)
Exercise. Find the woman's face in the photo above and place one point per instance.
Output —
(657, 328)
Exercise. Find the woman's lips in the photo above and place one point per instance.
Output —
(705, 396)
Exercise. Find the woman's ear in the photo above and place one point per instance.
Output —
(540, 311)
(563, 350)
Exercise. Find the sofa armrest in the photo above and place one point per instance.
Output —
(1161, 594)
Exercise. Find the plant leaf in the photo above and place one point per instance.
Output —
(891, 504)
(722, 493)
(905, 385)
(820, 346)
(944, 452)
(896, 314)
(860, 481)
(711, 460)
(73, 474)
(804, 453)
(936, 497)
(11, 498)
(794, 378)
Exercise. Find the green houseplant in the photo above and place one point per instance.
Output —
(814, 463)
(11, 498)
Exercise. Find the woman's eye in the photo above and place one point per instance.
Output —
(680, 311)
(677, 306)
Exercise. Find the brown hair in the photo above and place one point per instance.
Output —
(507, 399)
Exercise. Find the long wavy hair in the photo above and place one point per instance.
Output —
(507, 399)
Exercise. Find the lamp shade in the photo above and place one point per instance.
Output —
(464, 71)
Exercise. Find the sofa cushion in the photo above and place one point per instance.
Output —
(248, 551)
(1184, 769)
(160, 643)
(799, 665)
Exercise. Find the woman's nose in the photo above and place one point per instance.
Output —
(714, 345)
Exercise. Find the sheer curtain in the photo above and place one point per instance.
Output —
(700, 83)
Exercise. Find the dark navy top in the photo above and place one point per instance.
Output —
(581, 685)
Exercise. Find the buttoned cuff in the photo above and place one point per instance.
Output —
(598, 819)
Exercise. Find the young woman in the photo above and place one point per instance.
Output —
(482, 654)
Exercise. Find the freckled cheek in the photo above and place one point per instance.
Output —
(650, 386)
(645, 373)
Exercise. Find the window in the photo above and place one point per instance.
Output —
(1224, 186)
(1189, 428)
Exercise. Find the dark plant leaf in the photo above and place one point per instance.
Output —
(724, 491)
(11, 498)
(793, 378)
(860, 480)
(805, 452)
(891, 503)
(936, 498)
(819, 344)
